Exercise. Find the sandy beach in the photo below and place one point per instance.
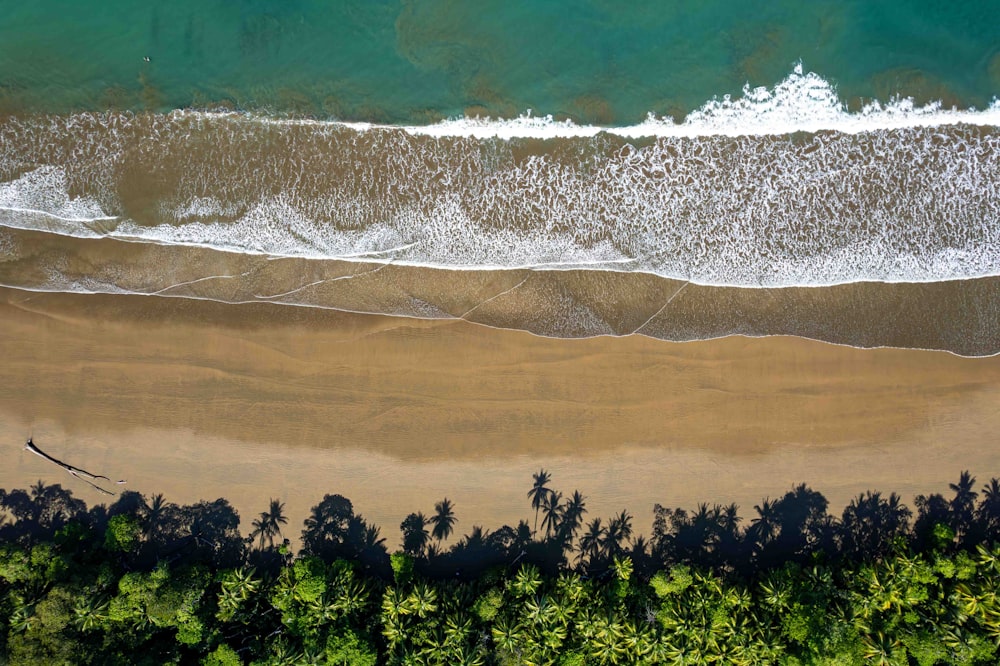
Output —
(199, 400)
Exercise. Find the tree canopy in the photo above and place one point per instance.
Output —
(143, 581)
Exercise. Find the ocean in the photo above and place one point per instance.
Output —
(824, 170)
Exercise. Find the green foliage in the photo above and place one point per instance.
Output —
(47, 563)
(122, 534)
(222, 656)
(70, 535)
(71, 596)
(678, 580)
(527, 580)
(488, 605)
(402, 568)
(161, 599)
(926, 648)
(347, 648)
(942, 537)
(15, 564)
(41, 630)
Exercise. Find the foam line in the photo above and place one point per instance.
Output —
(803, 102)
(55, 216)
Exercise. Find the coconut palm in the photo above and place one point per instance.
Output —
(443, 519)
(538, 493)
(963, 504)
(268, 525)
(551, 513)
(415, 534)
(153, 514)
(618, 534)
(89, 612)
(572, 517)
(236, 587)
(421, 601)
(763, 528)
(988, 512)
(526, 581)
(592, 541)
(507, 636)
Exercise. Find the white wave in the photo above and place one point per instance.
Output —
(903, 204)
(803, 102)
(40, 200)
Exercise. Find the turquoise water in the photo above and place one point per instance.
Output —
(417, 61)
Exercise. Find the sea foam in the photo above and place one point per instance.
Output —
(894, 192)
(802, 102)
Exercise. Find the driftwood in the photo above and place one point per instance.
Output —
(81, 474)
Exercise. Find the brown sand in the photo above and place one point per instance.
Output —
(199, 400)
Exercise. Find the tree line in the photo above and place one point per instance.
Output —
(143, 580)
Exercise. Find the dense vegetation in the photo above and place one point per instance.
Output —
(146, 581)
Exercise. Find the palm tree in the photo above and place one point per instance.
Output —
(539, 492)
(421, 601)
(592, 541)
(443, 519)
(153, 515)
(619, 532)
(269, 524)
(552, 512)
(988, 512)
(237, 586)
(963, 504)
(415, 535)
(89, 611)
(572, 517)
(372, 538)
(764, 527)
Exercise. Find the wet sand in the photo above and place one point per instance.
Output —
(200, 400)
(956, 315)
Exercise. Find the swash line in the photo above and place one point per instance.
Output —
(505, 291)
(313, 284)
(664, 307)
(39, 290)
(201, 279)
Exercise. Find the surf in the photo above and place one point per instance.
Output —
(779, 187)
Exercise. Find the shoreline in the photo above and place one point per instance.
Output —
(395, 414)
(952, 316)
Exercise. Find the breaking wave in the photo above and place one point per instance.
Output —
(777, 188)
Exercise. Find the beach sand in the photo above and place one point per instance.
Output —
(198, 400)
